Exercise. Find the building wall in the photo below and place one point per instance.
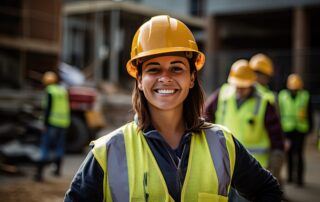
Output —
(285, 30)
(181, 7)
(30, 40)
(236, 6)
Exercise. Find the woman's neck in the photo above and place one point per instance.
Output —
(170, 125)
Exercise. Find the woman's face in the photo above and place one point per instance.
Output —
(165, 81)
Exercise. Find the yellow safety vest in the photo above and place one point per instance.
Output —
(294, 111)
(131, 172)
(266, 92)
(246, 123)
(60, 110)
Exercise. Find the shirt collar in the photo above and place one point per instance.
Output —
(154, 134)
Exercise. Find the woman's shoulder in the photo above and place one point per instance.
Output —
(215, 127)
(108, 137)
(219, 131)
(117, 136)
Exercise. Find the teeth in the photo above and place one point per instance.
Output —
(165, 91)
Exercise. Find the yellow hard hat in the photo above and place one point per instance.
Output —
(294, 82)
(49, 78)
(241, 75)
(162, 34)
(261, 63)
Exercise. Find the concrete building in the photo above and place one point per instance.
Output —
(287, 30)
(96, 36)
(30, 40)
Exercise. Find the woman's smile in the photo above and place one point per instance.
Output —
(166, 91)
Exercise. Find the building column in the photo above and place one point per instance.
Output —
(211, 71)
(300, 40)
(115, 45)
(98, 42)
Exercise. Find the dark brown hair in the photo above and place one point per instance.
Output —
(192, 106)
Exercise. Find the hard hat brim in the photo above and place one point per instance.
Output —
(240, 82)
(132, 69)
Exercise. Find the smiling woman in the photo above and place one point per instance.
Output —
(168, 153)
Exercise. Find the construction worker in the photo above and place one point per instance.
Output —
(168, 153)
(247, 113)
(262, 65)
(296, 120)
(56, 120)
(259, 116)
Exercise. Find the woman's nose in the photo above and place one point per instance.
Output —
(165, 79)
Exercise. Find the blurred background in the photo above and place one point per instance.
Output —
(88, 43)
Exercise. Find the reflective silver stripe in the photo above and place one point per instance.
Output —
(220, 158)
(224, 110)
(257, 107)
(258, 150)
(224, 94)
(117, 168)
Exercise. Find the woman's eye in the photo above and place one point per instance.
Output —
(177, 69)
(152, 70)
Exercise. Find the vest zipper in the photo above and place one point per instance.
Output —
(178, 167)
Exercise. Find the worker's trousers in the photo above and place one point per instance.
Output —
(52, 143)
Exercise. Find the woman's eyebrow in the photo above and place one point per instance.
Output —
(152, 63)
(177, 62)
(173, 62)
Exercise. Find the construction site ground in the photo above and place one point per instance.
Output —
(21, 187)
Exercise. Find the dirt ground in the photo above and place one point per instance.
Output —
(27, 190)
(21, 187)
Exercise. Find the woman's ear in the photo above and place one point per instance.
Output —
(139, 83)
(193, 78)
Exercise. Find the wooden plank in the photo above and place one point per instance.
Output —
(85, 7)
(36, 45)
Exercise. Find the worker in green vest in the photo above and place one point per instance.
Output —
(248, 114)
(240, 107)
(56, 120)
(262, 65)
(296, 120)
(168, 153)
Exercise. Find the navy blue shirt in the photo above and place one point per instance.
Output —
(173, 163)
(249, 178)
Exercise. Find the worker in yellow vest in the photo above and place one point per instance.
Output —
(296, 120)
(56, 120)
(247, 113)
(262, 65)
(168, 153)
